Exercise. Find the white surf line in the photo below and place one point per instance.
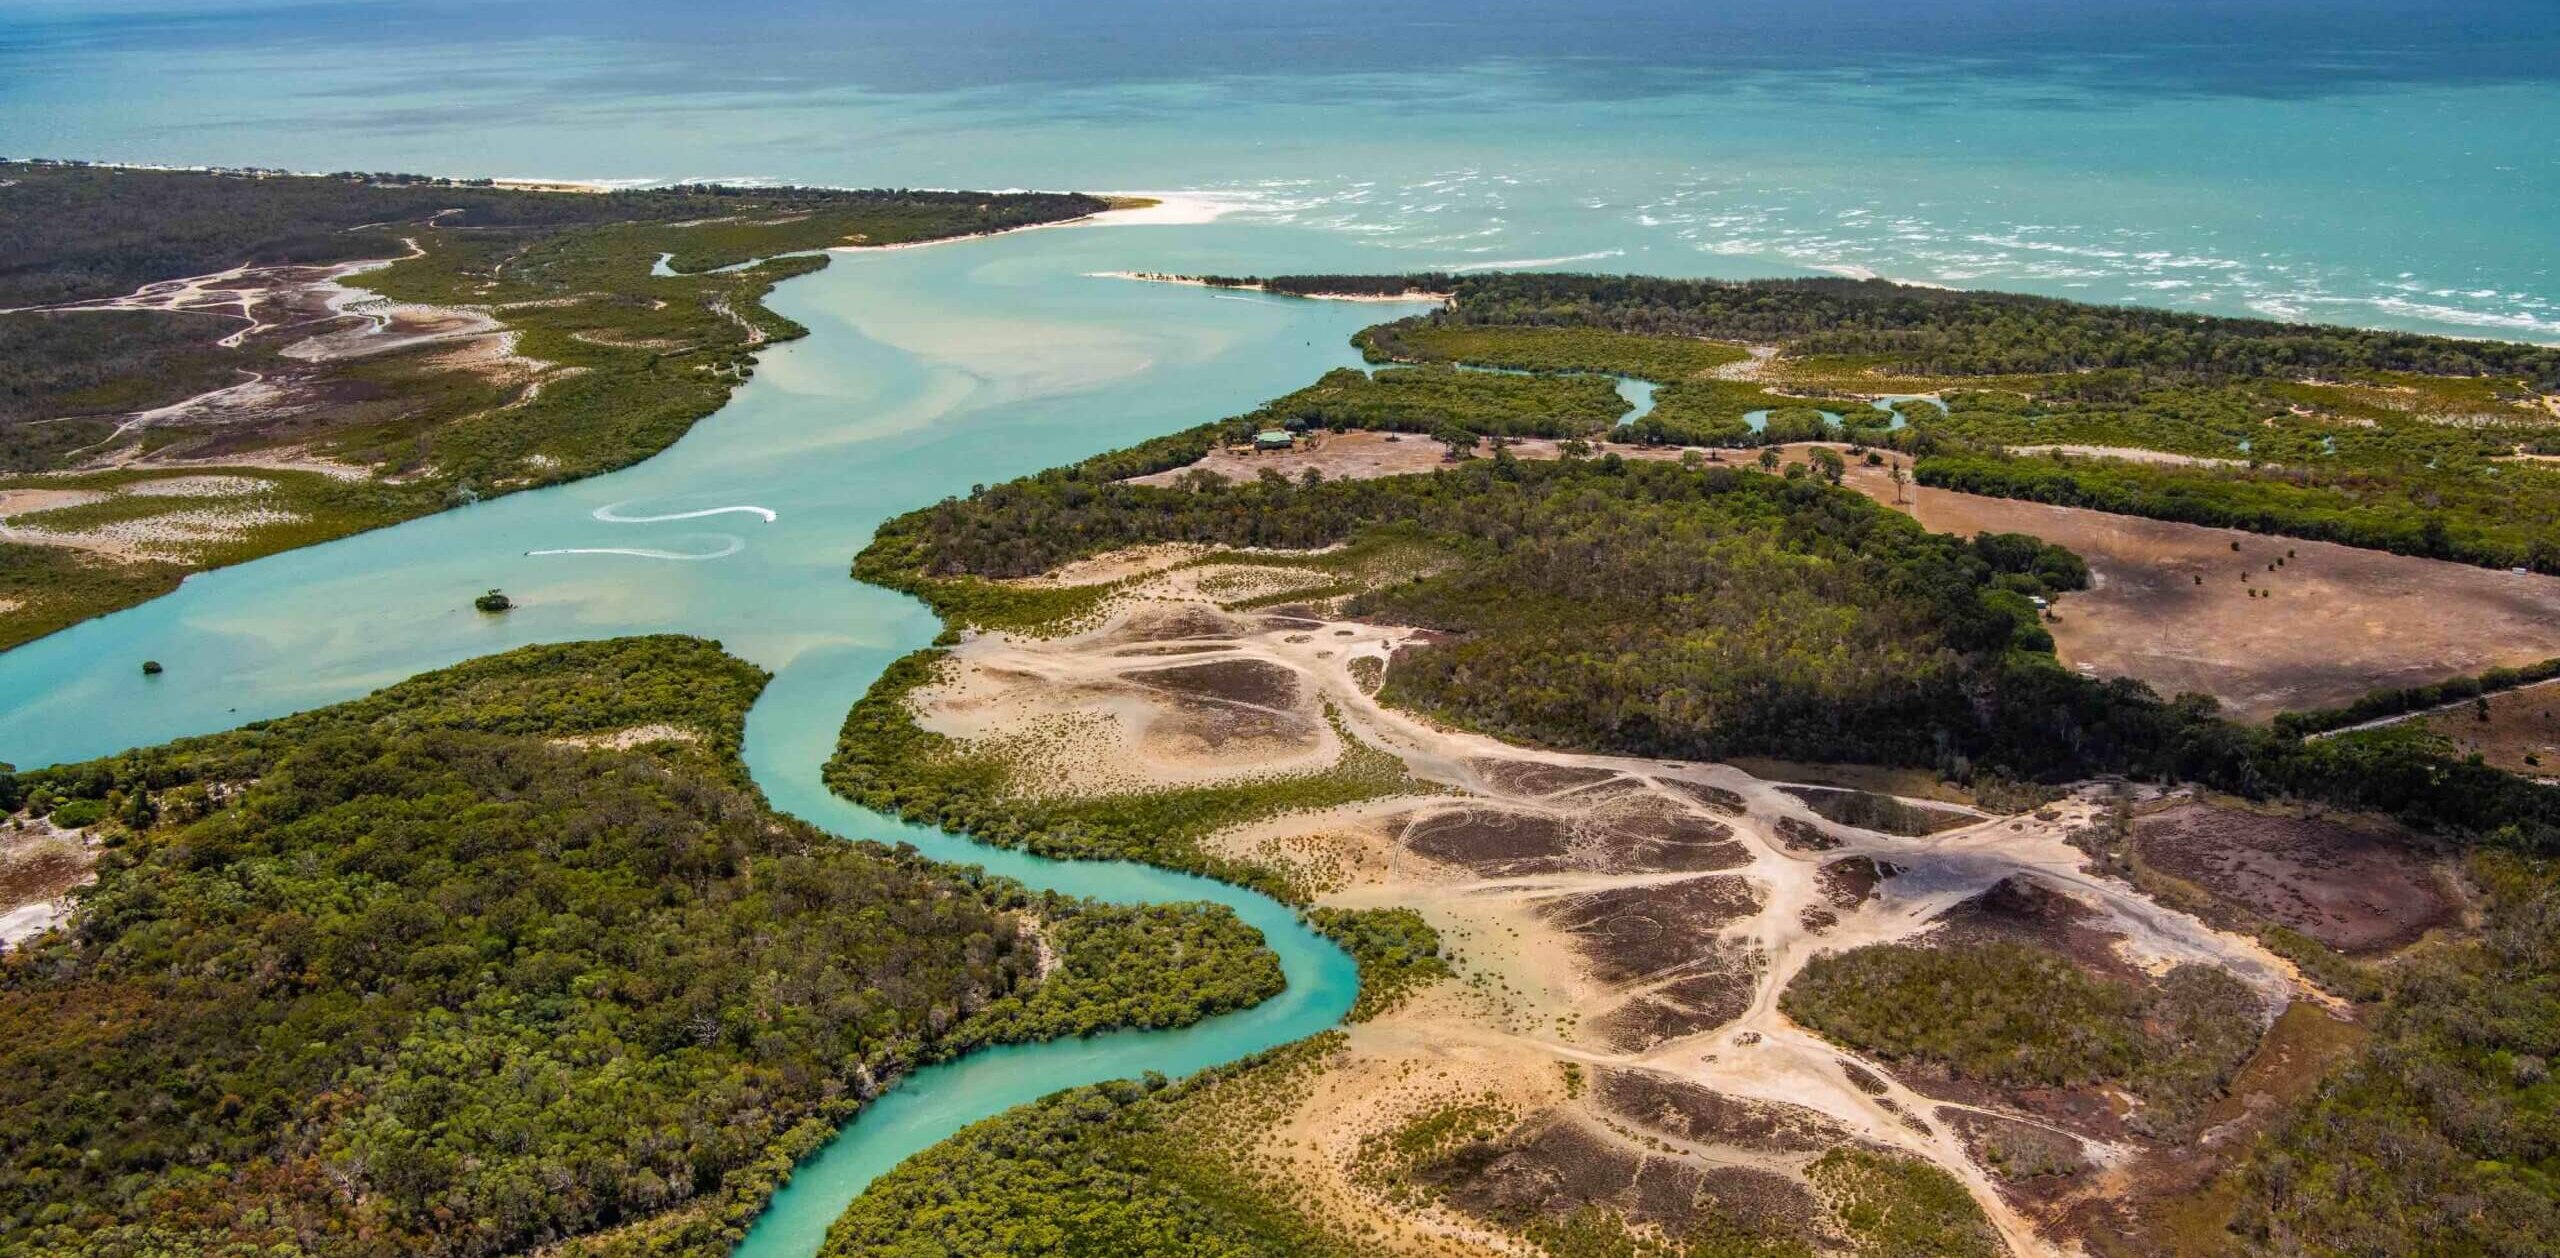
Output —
(612, 514)
(735, 544)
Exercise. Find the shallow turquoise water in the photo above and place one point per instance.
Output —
(928, 370)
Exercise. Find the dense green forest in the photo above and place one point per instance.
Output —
(72, 231)
(1421, 399)
(1397, 950)
(1939, 331)
(616, 361)
(439, 972)
(2440, 1137)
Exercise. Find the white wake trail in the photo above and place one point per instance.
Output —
(733, 546)
(612, 514)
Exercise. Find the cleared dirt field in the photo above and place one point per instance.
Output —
(2348, 887)
(2522, 734)
(2336, 622)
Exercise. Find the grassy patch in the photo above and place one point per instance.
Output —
(1897, 1207)
(2010, 1015)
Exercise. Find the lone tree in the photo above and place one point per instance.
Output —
(493, 601)
(1768, 458)
(1461, 442)
(1828, 464)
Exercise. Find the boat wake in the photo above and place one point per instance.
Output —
(612, 514)
(730, 546)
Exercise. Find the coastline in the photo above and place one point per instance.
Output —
(1128, 209)
(1194, 281)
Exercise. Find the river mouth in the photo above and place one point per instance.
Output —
(927, 371)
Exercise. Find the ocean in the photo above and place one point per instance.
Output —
(2380, 162)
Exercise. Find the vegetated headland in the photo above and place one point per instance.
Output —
(201, 367)
(1993, 956)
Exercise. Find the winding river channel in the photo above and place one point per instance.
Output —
(927, 370)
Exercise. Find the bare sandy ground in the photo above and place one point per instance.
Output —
(1633, 920)
(2521, 733)
(2169, 604)
(39, 866)
(202, 509)
(2131, 454)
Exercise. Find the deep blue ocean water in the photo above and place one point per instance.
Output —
(2385, 162)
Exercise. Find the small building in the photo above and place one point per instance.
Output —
(1274, 439)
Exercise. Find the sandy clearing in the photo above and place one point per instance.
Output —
(1538, 924)
(15, 502)
(1755, 367)
(2521, 734)
(2132, 454)
(197, 487)
(626, 739)
(279, 459)
(168, 537)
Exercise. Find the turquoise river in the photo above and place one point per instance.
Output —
(927, 370)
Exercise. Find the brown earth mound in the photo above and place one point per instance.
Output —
(2018, 909)
(1494, 842)
(1529, 777)
(1688, 1112)
(1233, 681)
(1630, 932)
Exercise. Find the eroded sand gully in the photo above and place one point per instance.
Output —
(313, 317)
(1635, 918)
